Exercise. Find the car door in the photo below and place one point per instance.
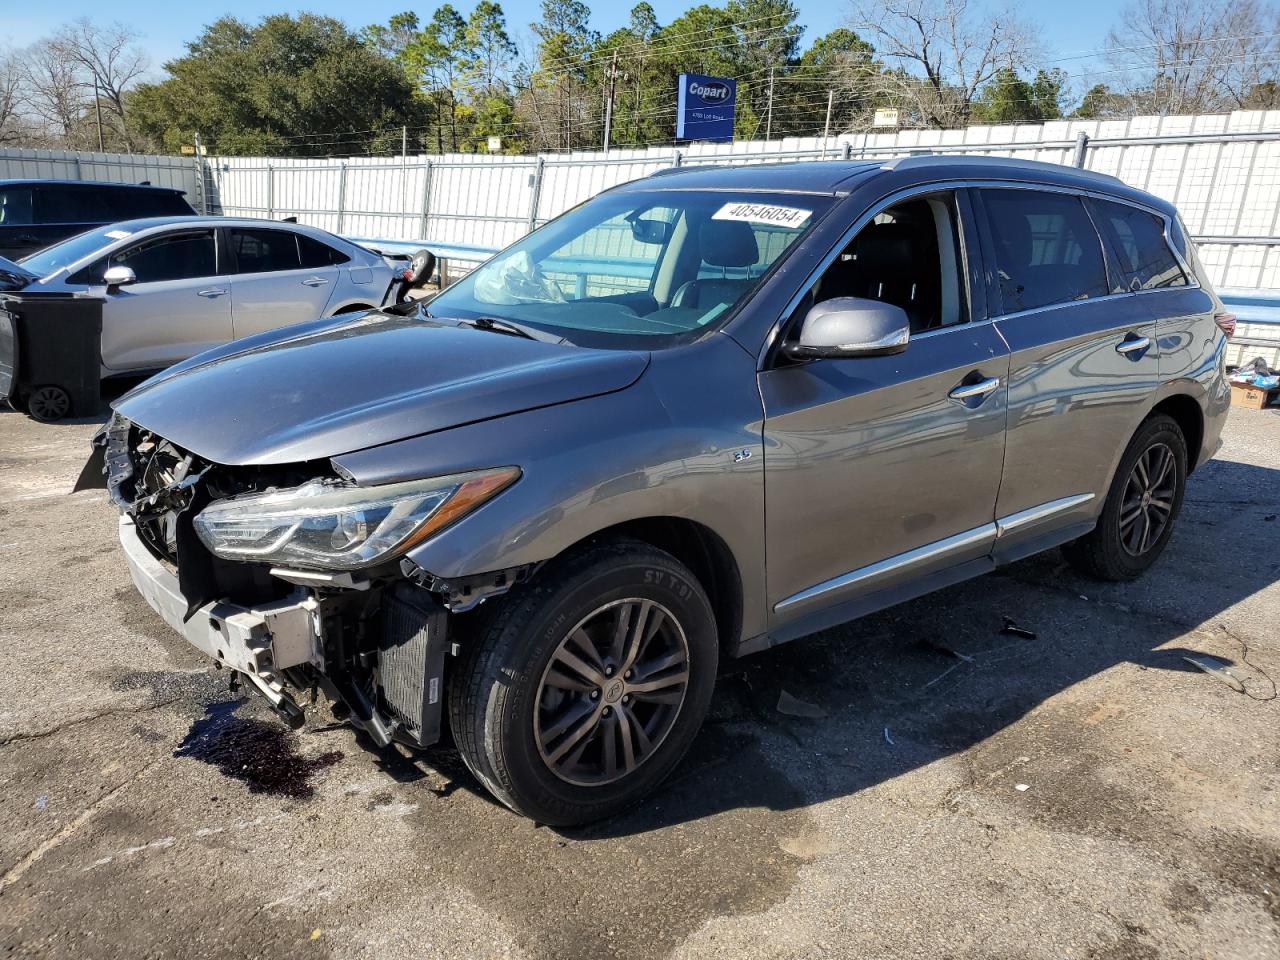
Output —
(882, 471)
(179, 306)
(271, 288)
(1083, 361)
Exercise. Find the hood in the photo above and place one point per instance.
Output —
(13, 277)
(333, 386)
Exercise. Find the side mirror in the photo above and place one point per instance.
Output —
(851, 327)
(117, 277)
(650, 231)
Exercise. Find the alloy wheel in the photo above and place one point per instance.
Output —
(1147, 505)
(611, 692)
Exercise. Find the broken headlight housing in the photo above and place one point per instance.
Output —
(343, 527)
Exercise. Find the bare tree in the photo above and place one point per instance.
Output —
(107, 61)
(10, 97)
(942, 52)
(54, 95)
(1184, 56)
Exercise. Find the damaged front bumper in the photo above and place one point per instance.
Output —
(260, 643)
(377, 653)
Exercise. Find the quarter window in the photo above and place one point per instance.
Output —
(265, 251)
(1046, 249)
(1139, 241)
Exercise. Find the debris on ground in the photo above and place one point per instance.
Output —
(888, 739)
(793, 706)
(943, 648)
(1012, 629)
(1022, 787)
(1218, 669)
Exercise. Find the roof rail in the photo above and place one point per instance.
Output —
(932, 159)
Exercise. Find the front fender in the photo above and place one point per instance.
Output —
(684, 441)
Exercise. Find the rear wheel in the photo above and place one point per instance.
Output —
(582, 692)
(1142, 505)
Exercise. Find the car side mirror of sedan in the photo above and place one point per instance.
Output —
(117, 277)
(850, 327)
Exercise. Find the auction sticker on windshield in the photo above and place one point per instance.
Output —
(763, 213)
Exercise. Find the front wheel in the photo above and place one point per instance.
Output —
(582, 692)
(1141, 507)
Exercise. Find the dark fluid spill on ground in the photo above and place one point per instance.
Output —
(261, 754)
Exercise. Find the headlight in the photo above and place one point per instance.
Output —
(320, 524)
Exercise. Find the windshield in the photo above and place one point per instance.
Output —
(69, 251)
(636, 269)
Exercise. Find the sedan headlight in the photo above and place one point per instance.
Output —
(322, 524)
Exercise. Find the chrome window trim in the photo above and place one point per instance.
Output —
(997, 529)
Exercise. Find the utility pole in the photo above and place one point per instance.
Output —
(768, 123)
(97, 105)
(826, 127)
(608, 104)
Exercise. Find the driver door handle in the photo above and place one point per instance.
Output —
(212, 292)
(1136, 345)
(967, 391)
(315, 282)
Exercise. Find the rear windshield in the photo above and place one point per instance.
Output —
(637, 269)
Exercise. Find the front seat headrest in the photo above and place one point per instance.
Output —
(728, 243)
(882, 246)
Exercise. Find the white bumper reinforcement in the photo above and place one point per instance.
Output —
(258, 641)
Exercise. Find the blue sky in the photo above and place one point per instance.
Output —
(1069, 29)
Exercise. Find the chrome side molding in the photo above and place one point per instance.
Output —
(1001, 527)
(1038, 514)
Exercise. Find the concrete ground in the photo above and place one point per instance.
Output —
(954, 791)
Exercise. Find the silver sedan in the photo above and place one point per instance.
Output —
(176, 286)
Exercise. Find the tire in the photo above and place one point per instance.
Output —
(1127, 540)
(521, 678)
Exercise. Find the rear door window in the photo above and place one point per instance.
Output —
(182, 256)
(264, 251)
(1139, 240)
(71, 205)
(316, 254)
(15, 206)
(1046, 249)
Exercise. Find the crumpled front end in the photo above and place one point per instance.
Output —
(374, 642)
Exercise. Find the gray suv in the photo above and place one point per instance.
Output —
(701, 414)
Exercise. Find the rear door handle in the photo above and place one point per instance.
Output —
(1134, 345)
(314, 282)
(212, 292)
(967, 391)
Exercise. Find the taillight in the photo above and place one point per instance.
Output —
(1226, 323)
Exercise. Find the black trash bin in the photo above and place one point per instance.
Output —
(51, 353)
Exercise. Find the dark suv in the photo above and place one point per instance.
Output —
(698, 415)
(37, 213)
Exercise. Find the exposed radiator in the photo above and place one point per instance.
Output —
(411, 661)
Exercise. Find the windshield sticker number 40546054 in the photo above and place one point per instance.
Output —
(765, 213)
